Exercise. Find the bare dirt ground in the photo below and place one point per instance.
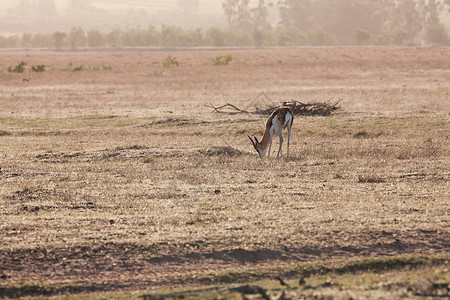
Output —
(119, 177)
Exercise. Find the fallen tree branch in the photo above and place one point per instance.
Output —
(297, 107)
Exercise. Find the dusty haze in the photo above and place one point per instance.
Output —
(107, 15)
(219, 23)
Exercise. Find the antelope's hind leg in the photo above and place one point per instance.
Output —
(280, 135)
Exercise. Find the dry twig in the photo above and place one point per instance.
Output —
(234, 109)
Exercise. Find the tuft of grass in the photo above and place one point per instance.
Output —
(216, 151)
(360, 134)
(36, 289)
(83, 68)
(370, 178)
(222, 60)
(5, 133)
(70, 68)
(38, 68)
(170, 62)
(149, 160)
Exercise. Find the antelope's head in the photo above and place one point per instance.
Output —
(257, 146)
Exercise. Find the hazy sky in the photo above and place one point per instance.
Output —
(106, 15)
(206, 6)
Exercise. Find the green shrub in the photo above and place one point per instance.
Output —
(170, 62)
(38, 68)
(20, 68)
(222, 60)
(79, 68)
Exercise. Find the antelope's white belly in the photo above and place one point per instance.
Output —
(287, 119)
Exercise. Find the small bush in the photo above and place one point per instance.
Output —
(360, 135)
(149, 159)
(79, 68)
(170, 62)
(370, 178)
(20, 68)
(38, 68)
(75, 69)
(4, 133)
(222, 60)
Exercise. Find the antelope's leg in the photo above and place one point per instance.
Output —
(280, 152)
(270, 144)
(289, 138)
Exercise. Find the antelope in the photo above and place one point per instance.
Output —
(281, 118)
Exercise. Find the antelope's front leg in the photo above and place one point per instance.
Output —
(270, 146)
(289, 138)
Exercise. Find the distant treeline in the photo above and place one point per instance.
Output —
(301, 23)
(175, 36)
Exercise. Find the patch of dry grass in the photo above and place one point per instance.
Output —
(127, 170)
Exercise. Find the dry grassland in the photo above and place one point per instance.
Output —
(123, 179)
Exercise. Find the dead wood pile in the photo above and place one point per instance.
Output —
(305, 109)
(297, 107)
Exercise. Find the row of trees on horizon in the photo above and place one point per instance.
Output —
(301, 23)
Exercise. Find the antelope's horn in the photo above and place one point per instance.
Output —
(256, 139)
(253, 142)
